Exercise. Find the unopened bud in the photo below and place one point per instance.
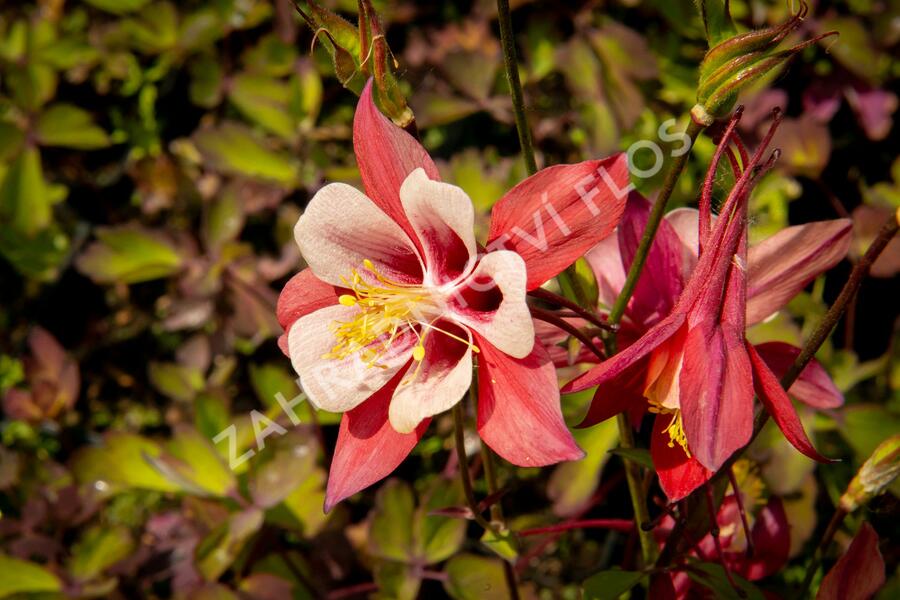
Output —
(876, 474)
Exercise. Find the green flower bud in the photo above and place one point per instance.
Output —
(876, 474)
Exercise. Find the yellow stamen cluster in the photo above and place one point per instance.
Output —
(675, 428)
(386, 309)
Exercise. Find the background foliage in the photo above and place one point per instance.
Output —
(154, 157)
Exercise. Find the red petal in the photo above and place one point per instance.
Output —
(859, 573)
(779, 406)
(519, 415)
(368, 449)
(660, 283)
(618, 394)
(782, 265)
(552, 218)
(302, 294)
(716, 393)
(678, 474)
(386, 154)
(616, 365)
(814, 387)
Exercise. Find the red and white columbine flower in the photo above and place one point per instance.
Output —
(398, 301)
(685, 355)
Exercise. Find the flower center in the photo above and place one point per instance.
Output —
(663, 391)
(675, 428)
(386, 309)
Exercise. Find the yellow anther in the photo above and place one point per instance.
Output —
(675, 428)
(418, 353)
(369, 265)
(347, 300)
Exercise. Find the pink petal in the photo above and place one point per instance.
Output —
(341, 228)
(443, 218)
(436, 383)
(814, 387)
(782, 265)
(556, 215)
(491, 301)
(859, 573)
(716, 394)
(606, 263)
(386, 155)
(302, 294)
(661, 281)
(368, 449)
(337, 385)
(779, 406)
(519, 415)
(679, 475)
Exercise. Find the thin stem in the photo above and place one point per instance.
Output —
(836, 519)
(490, 475)
(656, 214)
(612, 524)
(636, 491)
(714, 532)
(751, 550)
(584, 313)
(550, 317)
(515, 86)
(459, 433)
(826, 325)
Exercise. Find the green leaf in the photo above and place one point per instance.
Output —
(639, 455)
(205, 88)
(610, 585)
(396, 581)
(129, 254)
(391, 530)
(191, 461)
(178, 382)
(265, 101)
(284, 464)
(502, 544)
(439, 537)
(573, 484)
(121, 462)
(118, 7)
(25, 199)
(23, 577)
(219, 549)
(234, 149)
(11, 138)
(99, 548)
(471, 577)
(69, 126)
(38, 256)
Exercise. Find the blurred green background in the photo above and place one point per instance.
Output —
(154, 157)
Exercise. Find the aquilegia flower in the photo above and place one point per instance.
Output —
(685, 356)
(398, 301)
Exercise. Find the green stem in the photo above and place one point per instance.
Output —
(468, 491)
(656, 214)
(636, 491)
(515, 86)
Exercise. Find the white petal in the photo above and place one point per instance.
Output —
(341, 227)
(339, 385)
(441, 380)
(499, 280)
(443, 217)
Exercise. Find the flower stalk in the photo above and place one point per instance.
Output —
(515, 85)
